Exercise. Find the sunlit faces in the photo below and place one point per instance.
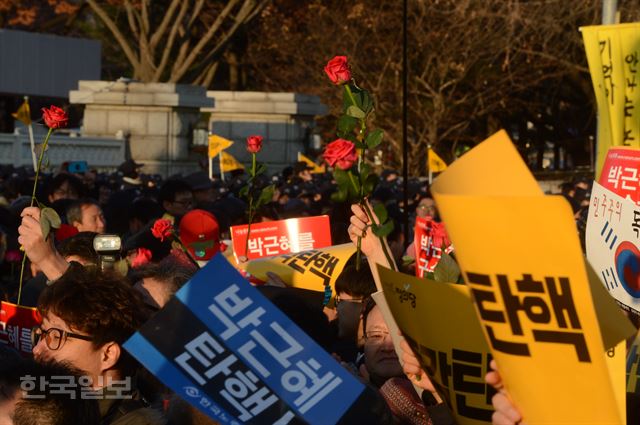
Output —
(92, 219)
(380, 357)
(95, 362)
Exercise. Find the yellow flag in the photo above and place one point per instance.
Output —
(316, 168)
(217, 144)
(229, 163)
(436, 164)
(23, 113)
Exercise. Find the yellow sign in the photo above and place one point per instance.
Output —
(613, 55)
(317, 169)
(436, 164)
(300, 270)
(23, 113)
(633, 367)
(439, 322)
(521, 258)
(217, 144)
(229, 163)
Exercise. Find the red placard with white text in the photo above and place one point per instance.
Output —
(281, 237)
(430, 240)
(621, 173)
(16, 323)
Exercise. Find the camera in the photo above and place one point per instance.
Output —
(108, 249)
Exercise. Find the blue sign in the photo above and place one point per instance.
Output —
(223, 347)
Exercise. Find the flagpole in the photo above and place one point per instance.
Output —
(221, 172)
(210, 168)
(33, 148)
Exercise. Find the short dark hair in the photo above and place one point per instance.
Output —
(357, 283)
(74, 183)
(74, 211)
(102, 304)
(170, 271)
(81, 245)
(170, 189)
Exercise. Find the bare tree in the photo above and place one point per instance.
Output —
(472, 63)
(176, 40)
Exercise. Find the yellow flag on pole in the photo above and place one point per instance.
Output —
(217, 144)
(316, 168)
(436, 164)
(229, 163)
(23, 114)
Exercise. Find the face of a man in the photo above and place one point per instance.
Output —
(92, 219)
(65, 191)
(426, 207)
(77, 352)
(181, 204)
(379, 356)
(349, 317)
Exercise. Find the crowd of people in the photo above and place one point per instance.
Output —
(90, 307)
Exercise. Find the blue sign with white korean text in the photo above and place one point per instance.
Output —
(223, 347)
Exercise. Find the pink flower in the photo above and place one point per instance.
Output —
(55, 117)
(162, 229)
(254, 144)
(338, 70)
(143, 256)
(340, 153)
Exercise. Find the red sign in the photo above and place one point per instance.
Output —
(620, 173)
(281, 237)
(430, 240)
(16, 323)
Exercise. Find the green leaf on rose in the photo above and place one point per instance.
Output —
(339, 196)
(359, 145)
(261, 169)
(383, 230)
(374, 138)
(346, 125)
(49, 219)
(365, 170)
(370, 184)
(355, 112)
(364, 101)
(244, 191)
(266, 195)
(381, 212)
(447, 270)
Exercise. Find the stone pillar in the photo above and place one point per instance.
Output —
(285, 120)
(157, 117)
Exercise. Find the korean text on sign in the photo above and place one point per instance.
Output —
(245, 358)
(516, 310)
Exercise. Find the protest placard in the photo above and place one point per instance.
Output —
(315, 269)
(620, 173)
(281, 237)
(430, 241)
(440, 324)
(239, 359)
(633, 370)
(520, 255)
(612, 54)
(16, 323)
(612, 237)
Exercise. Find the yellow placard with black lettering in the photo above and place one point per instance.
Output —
(521, 258)
(313, 269)
(613, 54)
(439, 322)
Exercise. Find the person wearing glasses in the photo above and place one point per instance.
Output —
(176, 199)
(87, 315)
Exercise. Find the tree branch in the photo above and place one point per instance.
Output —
(116, 33)
(169, 44)
(162, 28)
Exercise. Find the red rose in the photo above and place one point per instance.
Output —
(340, 153)
(254, 144)
(338, 70)
(143, 256)
(13, 256)
(55, 117)
(162, 229)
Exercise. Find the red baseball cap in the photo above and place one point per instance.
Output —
(200, 233)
